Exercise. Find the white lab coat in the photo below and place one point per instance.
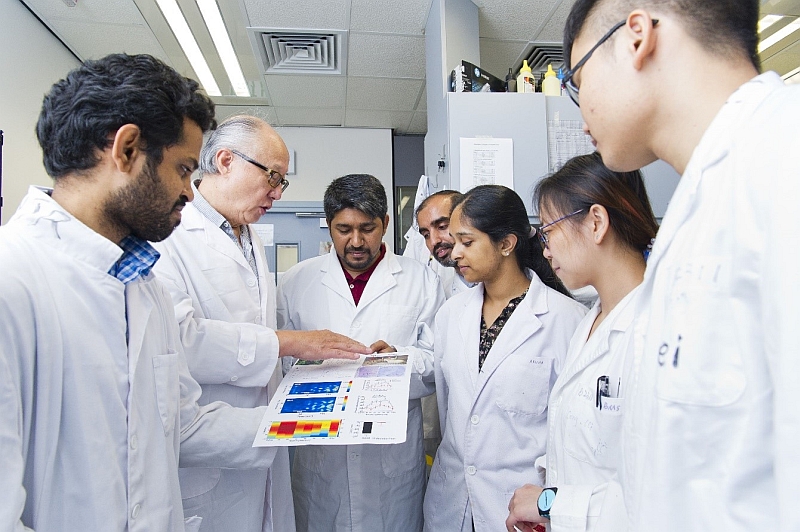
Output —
(494, 422)
(227, 319)
(365, 487)
(96, 394)
(711, 438)
(583, 450)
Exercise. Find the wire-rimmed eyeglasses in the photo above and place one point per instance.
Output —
(274, 178)
(568, 83)
(543, 235)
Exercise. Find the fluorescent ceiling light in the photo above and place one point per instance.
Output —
(185, 38)
(792, 77)
(222, 41)
(768, 21)
(779, 35)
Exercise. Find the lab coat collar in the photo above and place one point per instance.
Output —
(215, 238)
(713, 148)
(523, 323)
(617, 322)
(381, 280)
(59, 229)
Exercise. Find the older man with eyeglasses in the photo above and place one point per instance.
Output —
(224, 295)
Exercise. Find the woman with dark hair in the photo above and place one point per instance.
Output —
(597, 229)
(498, 349)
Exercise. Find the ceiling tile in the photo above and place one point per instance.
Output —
(498, 56)
(389, 16)
(382, 93)
(380, 55)
(419, 123)
(110, 11)
(312, 14)
(93, 40)
(553, 31)
(307, 116)
(265, 113)
(513, 19)
(306, 91)
(422, 103)
(784, 61)
(380, 119)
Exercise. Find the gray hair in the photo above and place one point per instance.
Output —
(362, 192)
(236, 131)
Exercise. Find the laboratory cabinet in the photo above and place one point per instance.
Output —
(545, 131)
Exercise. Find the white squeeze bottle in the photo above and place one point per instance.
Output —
(525, 82)
(551, 85)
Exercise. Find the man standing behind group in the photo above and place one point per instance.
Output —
(363, 290)
(216, 271)
(433, 219)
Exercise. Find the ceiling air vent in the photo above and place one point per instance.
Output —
(540, 54)
(300, 51)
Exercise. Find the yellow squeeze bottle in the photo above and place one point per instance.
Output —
(551, 85)
(525, 82)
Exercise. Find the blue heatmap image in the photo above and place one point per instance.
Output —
(311, 388)
(308, 404)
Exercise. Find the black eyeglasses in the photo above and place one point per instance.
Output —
(572, 89)
(543, 235)
(274, 178)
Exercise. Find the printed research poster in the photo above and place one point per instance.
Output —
(340, 402)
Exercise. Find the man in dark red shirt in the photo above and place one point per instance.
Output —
(363, 290)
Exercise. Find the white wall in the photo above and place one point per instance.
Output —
(31, 60)
(323, 154)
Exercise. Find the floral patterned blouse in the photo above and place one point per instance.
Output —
(490, 334)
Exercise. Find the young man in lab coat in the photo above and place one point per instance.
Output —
(710, 439)
(216, 271)
(96, 396)
(361, 289)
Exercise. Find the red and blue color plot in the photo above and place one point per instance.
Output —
(308, 404)
(281, 430)
(314, 388)
(349, 385)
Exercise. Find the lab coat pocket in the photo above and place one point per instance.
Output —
(525, 385)
(222, 280)
(197, 481)
(167, 388)
(592, 433)
(699, 357)
(398, 325)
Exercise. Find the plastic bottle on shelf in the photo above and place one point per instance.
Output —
(560, 77)
(511, 83)
(525, 81)
(550, 84)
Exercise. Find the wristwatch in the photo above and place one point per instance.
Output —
(545, 501)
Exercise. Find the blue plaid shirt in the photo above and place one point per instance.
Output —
(138, 258)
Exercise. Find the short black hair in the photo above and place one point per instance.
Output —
(100, 96)
(724, 27)
(454, 195)
(362, 192)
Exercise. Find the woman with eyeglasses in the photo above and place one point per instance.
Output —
(498, 349)
(597, 230)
